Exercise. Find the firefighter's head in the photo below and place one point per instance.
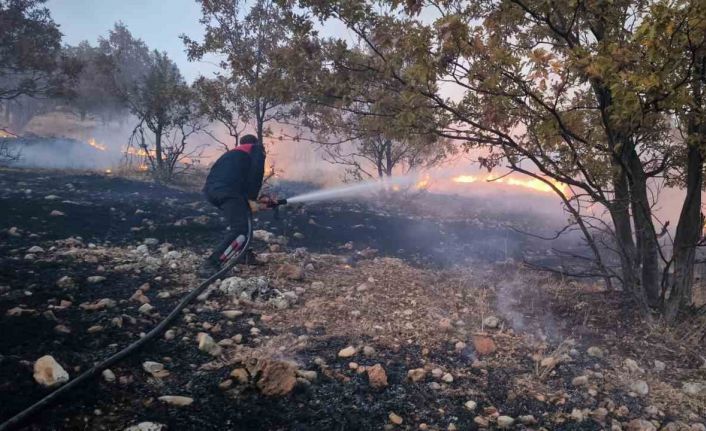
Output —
(249, 139)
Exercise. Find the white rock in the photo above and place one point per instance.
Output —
(471, 405)
(206, 344)
(231, 314)
(145, 308)
(505, 421)
(176, 400)
(347, 352)
(151, 241)
(35, 249)
(48, 372)
(108, 375)
(447, 377)
(595, 352)
(640, 387)
(94, 279)
(659, 365)
(146, 426)
(152, 367)
(693, 388)
(491, 322)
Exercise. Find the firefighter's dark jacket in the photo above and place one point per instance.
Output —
(237, 173)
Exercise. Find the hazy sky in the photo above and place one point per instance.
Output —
(158, 22)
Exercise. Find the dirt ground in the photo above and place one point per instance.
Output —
(338, 326)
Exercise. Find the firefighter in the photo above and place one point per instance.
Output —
(233, 185)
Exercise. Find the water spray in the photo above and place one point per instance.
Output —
(351, 190)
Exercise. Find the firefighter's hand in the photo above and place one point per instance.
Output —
(254, 206)
(265, 201)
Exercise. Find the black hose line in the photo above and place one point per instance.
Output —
(35, 408)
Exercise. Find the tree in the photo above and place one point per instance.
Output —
(569, 92)
(163, 104)
(259, 45)
(30, 45)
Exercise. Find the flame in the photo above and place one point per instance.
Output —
(533, 183)
(143, 167)
(423, 183)
(140, 152)
(7, 134)
(93, 143)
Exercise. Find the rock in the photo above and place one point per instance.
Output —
(395, 418)
(65, 282)
(244, 288)
(368, 351)
(459, 346)
(155, 369)
(640, 425)
(580, 381)
(49, 373)
(176, 400)
(277, 378)
(145, 308)
(347, 352)
(142, 249)
(445, 324)
(35, 249)
(470, 405)
(577, 415)
(527, 420)
(94, 279)
(263, 235)
(169, 334)
(108, 375)
(51, 197)
(491, 322)
(484, 345)
(146, 426)
(231, 314)
(298, 235)
(416, 374)
(631, 366)
(240, 375)
(99, 305)
(693, 388)
(437, 373)
(505, 422)
(62, 329)
(139, 296)
(447, 378)
(56, 213)
(95, 328)
(151, 241)
(640, 387)
(595, 351)
(206, 344)
(318, 285)
(660, 366)
(308, 375)
(377, 376)
(481, 422)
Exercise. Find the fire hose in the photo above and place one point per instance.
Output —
(151, 335)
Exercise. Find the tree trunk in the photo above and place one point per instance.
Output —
(389, 164)
(620, 214)
(648, 248)
(158, 150)
(689, 228)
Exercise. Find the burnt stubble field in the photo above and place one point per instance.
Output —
(354, 318)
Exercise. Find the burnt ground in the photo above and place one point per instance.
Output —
(420, 303)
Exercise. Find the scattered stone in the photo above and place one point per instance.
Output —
(146, 426)
(470, 405)
(231, 314)
(62, 329)
(528, 420)
(491, 322)
(693, 388)
(49, 373)
(56, 213)
(99, 305)
(580, 381)
(95, 328)
(240, 375)
(660, 366)
(277, 378)
(368, 351)
(35, 249)
(595, 351)
(395, 418)
(169, 334)
(445, 324)
(484, 345)
(94, 279)
(108, 375)
(505, 422)
(447, 378)
(640, 387)
(481, 422)
(65, 282)
(631, 366)
(206, 344)
(347, 352)
(176, 400)
(155, 369)
(151, 241)
(139, 296)
(308, 375)
(416, 374)
(641, 425)
(377, 376)
(145, 308)
(298, 235)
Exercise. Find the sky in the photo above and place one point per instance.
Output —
(158, 22)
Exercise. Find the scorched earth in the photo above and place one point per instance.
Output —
(337, 326)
